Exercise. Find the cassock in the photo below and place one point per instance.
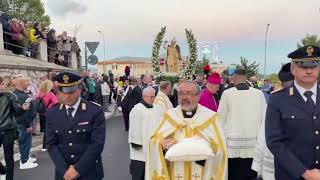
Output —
(207, 100)
(144, 119)
(203, 124)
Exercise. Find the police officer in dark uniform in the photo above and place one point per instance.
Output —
(75, 133)
(293, 120)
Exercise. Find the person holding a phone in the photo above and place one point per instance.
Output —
(24, 123)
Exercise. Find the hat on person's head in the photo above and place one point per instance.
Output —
(68, 82)
(285, 74)
(307, 56)
(206, 69)
(214, 78)
(240, 72)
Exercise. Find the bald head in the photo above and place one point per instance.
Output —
(21, 83)
(191, 85)
(165, 87)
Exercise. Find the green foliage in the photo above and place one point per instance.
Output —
(309, 40)
(193, 51)
(225, 73)
(273, 78)
(251, 69)
(31, 10)
(172, 79)
(155, 52)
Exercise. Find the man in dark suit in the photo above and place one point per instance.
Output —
(126, 103)
(146, 80)
(75, 133)
(293, 119)
(136, 92)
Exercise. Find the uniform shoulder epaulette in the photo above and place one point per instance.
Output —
(275, 91)
(95, 103)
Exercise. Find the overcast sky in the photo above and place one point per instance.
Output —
(129, 26)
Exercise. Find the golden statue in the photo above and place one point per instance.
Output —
(173, 56)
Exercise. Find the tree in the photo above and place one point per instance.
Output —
(31, 10)
(251, 69)
(309, 40)
(273, 78)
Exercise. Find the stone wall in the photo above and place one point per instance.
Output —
(34, 75)
(11, 65)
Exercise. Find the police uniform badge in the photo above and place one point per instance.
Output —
(291, 91)
(309, 50)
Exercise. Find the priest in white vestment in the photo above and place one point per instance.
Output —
(189, 143)
(242, 110)
(144, 118)
(162, 100)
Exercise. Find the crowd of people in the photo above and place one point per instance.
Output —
(23, 38)
(205, 128)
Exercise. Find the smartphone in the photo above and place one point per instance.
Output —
(28, 100)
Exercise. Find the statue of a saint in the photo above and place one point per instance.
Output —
(173, 56)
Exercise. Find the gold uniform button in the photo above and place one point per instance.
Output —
(70, 144)
(72, 156)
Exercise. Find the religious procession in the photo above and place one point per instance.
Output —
(185, 108)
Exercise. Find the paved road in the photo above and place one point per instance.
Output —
(115, 157)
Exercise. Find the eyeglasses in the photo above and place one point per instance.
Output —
(188, 94)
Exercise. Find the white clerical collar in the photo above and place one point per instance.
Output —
(75, 106)
(302, 90)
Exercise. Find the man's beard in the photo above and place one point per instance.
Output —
(187, 106)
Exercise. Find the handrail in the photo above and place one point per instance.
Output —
(23, 47)
(55, 49)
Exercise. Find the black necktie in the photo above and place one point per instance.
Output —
(70, 110)
(310, 102)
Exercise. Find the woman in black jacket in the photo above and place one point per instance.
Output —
(9, 106)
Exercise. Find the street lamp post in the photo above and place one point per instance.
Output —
(104, 45)
(265, 52)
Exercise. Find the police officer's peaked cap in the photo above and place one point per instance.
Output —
(307, 56)
(68, 82)
(285, 74)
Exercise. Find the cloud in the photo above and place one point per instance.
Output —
(64, 7)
